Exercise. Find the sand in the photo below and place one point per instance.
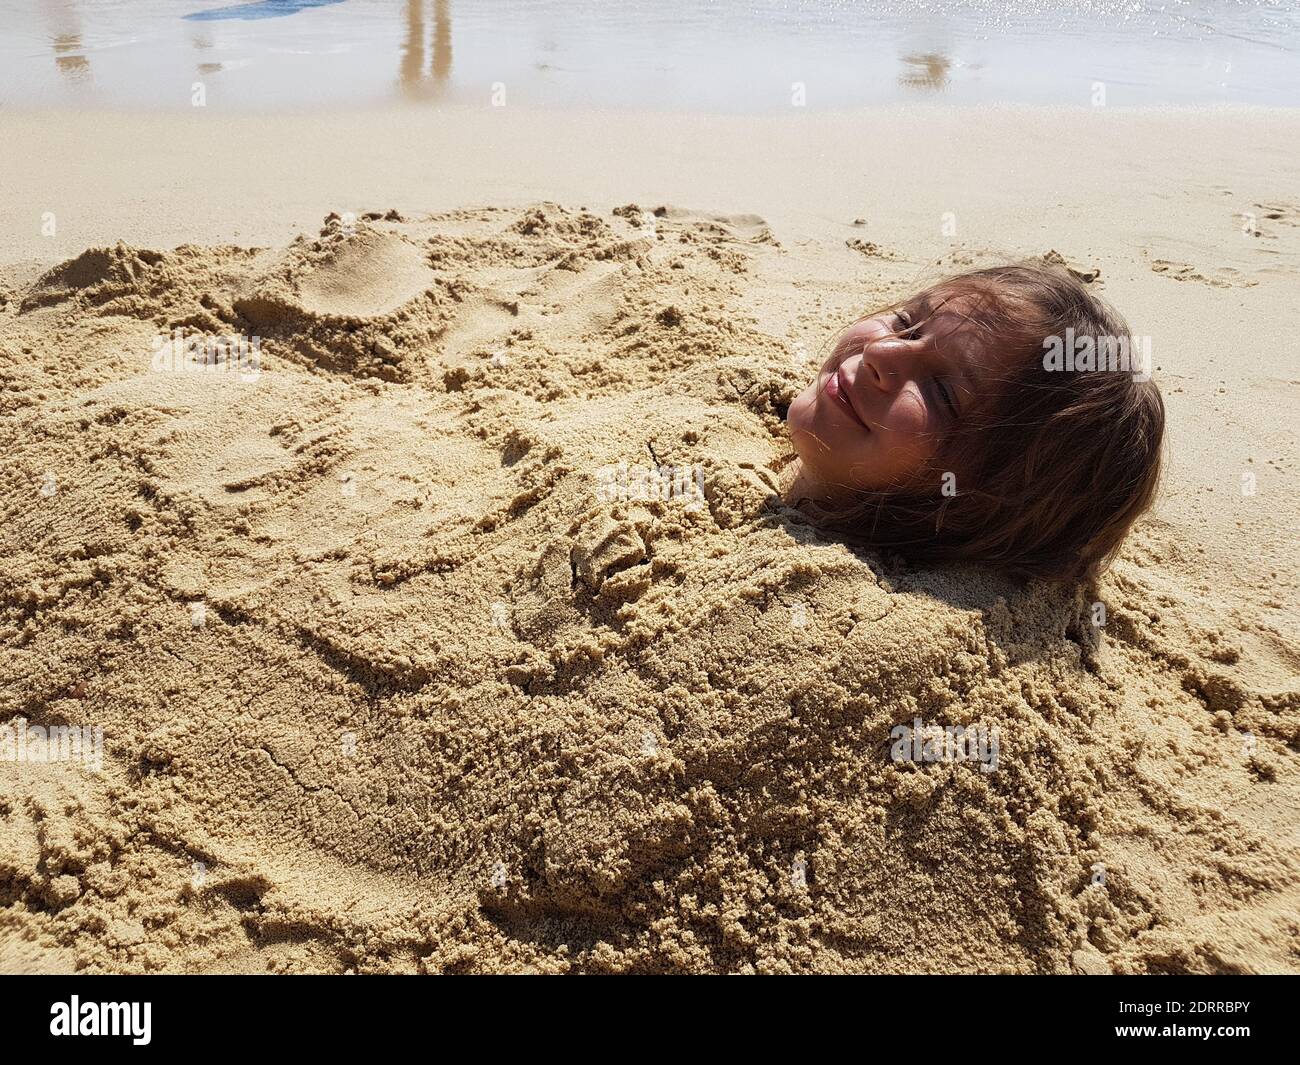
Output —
(458, 626)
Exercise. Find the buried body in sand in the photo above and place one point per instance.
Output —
(486, 620)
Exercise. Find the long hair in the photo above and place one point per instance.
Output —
(1051, 475)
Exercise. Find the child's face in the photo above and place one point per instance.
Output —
(880, 408)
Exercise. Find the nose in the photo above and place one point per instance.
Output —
(883, 369)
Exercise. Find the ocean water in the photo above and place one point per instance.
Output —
(715, 55)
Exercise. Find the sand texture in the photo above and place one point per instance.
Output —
(391, 680)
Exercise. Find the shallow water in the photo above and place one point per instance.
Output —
(762, 55)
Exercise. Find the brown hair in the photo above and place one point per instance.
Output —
(1051, 477)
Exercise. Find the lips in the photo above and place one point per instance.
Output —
(837, 388)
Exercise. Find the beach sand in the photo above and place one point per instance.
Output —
(400, 669)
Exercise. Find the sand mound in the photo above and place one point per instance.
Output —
(370, 275)
(462, 630)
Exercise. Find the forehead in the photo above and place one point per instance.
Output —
(949, 310)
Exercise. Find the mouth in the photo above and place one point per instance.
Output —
(838, 390)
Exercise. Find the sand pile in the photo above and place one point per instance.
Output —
(446, 619)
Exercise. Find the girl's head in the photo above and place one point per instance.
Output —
(957, 425)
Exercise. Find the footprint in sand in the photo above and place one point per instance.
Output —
(1286, 214)
(1224, 277)
(1263, 220)
(741, 228)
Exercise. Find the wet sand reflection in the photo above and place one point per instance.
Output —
(65, 38)
(411, 72)
(927, 71)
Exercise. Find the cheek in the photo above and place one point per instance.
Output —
(906, 414)
(853, 338)
(802, 429)
(906, 445)
(799, 416)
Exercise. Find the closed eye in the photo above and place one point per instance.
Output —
(909, 330)
(946, 394)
